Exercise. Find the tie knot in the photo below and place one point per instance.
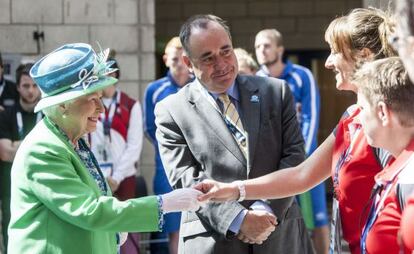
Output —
(224, 98)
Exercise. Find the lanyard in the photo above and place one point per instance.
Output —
(384, 186)
(344, 156)
(336, 226)
(107, 118)
(335, 237)
(19, 120)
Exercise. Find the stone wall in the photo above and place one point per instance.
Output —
(128, 26)
(302, 22)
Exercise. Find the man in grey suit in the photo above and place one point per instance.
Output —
(252, 133)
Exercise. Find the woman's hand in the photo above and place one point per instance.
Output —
(184, 199)
(217, 191)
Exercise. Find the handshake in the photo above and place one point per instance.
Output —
(257, 225)
(191, 199)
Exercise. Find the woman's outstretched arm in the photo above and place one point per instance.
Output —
(279, 184)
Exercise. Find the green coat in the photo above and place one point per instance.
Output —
(57, 207)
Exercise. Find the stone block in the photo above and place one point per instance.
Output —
(244, 41)
(121, 38)
(147, 65)
(129, 66)
(126, 12)
(172, 28)
(89, 11)
(245, 26)
(230, 9)
(313, 24)
(305, 41)
(261, 9)
(351, 4)
(18, 39)
(147, 12)
(197, 8)
(168, 10)
(336, 8)
(147, 36)
(283, 25)
(5, 12)
(296, 8)
(58, 35)
(39, 11)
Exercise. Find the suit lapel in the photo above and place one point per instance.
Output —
(214, 120)
(250, 108)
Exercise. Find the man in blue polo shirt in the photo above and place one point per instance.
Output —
(178, 75)
(269, 52)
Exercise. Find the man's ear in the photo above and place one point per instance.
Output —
(281, 50)
(164, 58)
(187, 62)
(383, 113)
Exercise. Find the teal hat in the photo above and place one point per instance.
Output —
(69, 72)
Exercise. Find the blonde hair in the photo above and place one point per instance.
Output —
(362, 28)
(173, 43)
(244, 57)
(273, 34)
(387, 80)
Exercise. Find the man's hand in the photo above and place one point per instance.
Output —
(114, 185)
(257, 226)
(217, 191)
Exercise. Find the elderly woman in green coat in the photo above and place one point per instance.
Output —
(60, 200)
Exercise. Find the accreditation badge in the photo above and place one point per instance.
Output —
(336, 230)
(106, 168)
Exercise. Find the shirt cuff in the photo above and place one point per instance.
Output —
(237, 222)
(160, 213)
(261, 205)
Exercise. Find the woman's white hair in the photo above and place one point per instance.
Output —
(53, 112)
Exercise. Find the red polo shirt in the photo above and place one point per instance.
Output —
(383, 236)
(355, 177)
(407, 224)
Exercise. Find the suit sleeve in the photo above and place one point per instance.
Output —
(181, 168)
(309, 111)
(293, 145)
(57, 185)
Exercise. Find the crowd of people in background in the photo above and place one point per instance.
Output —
(224, 127)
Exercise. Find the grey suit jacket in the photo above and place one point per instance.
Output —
(195, 143)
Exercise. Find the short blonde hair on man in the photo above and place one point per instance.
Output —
(173, 43)
(244, 58)
(273, 34)
(387, 80)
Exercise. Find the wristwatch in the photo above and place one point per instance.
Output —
(242, 190)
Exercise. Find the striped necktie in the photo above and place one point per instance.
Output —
(234, 123)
